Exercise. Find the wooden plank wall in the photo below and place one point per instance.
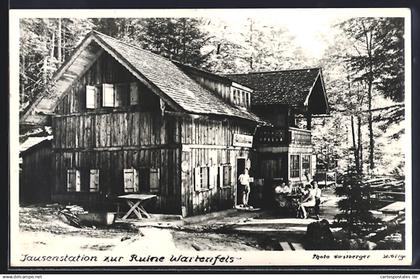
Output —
(115, 141)
(111, 164)
(37, 174)
(107, 130)
(209, 139)
(105, 70)
(220, 88)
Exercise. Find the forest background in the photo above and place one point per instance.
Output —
(362, 61)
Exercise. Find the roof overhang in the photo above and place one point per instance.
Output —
(243, 87)
(317, 92)
(85, 55)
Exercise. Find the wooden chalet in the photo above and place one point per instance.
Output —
(283, 148)
(125, 120)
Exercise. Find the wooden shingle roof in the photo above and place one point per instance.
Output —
(174, 82)
(160, 74)
(290, 87)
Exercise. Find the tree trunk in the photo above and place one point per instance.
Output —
(52, 46)
(59, 45)
(355, 148)
(22, 81)
(360, 145)
(371, 140)
(250, 44)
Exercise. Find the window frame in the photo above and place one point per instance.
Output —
(134, 89)
(95, 173)
(227, 179)
(106, 87)
(154, 172)
(308, 157)
(77, 181)
(135, 180)
(295, 162)
(92, 96)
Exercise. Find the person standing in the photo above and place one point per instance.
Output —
(245, 188)
(317, 195)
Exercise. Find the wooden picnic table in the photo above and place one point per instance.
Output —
(136, 202)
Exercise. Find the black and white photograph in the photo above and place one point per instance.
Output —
(210, 137)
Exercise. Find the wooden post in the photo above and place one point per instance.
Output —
(308, 120)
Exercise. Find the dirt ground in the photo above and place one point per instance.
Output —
(43, 227)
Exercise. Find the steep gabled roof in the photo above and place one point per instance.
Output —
(161, 75)
(291, 87)
(32, 142)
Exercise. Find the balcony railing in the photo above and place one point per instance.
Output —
(282, 136)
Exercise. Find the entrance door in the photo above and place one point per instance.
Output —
(240, 168)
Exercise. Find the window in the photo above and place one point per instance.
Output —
(224, 177)
(248, 99)
(131, 181)
(227, 175)
(294, 166)
(212, 176)
(154, 180)
(121, 94)
(234, 96)
(73, 180)
(204, 177)
(134, 94)
(306, 163)
(201, 175)
(108, 98)
(94, 180)
(306, 166)
(91, 97)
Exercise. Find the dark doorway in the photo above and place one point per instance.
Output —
(240, 168)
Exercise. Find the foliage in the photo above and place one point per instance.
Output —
(377, 60)
(252, 47)
(355, 216)
(180, 39)
(44, 45)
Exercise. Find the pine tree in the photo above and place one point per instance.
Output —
(179, 39)
(355, 216)
(378, 62)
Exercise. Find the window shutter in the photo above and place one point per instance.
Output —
(226, 176)
(136, 180)
(154, 180)
(91, 93)
(121, 94)
(73, 180)
(212, 177)
(131, 181)
(108, 95)
(70, 180)
(134, 94)
(313, 164)
(221, 176)
(77, 181)
(94, 181)
(197, 178)
(204, 177)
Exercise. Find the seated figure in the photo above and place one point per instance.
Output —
(282, 189)
(308, 200)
